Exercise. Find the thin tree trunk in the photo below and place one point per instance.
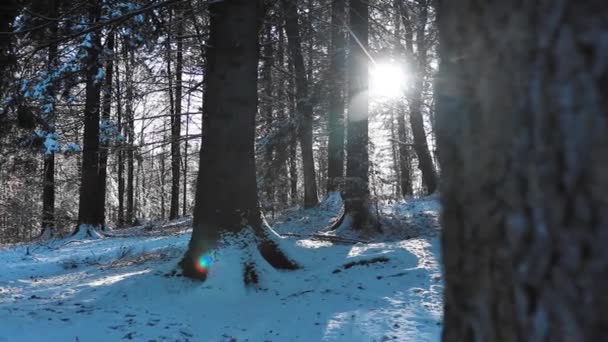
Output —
(303, 104)
(89, 217)
(425, 161)
(48, 187)
(396, 162)
(226, 195)
(405, 180)
(337, 72)
(130, 133)
(281, 150)
(185, 167)
(521, 119)
(105, 117)
(266, 112)
(176, 122)
(120, 153)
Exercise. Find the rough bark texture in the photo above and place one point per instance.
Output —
(303, 102)
(356, 192)
(522, 121)
(425, 161)
(120, 154)
(226, 196)
(335, 143)
(266, 111)
(105, 116)
(48, 185)
(130, 133)
(405, 179)
(88, 211)
(176, 124)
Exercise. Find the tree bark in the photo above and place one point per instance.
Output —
(303, 102)
(130, 133)
(266, 111)
(405, 180)
(281, 150)
(105, 116)
(521, 120)
(48, 185)
(337, 72)
(425, 161)
(176, 120)
(88, 211)
(120, 153)
(356, 192)
(226, 195)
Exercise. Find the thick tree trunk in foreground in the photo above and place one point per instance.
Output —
(356, 192)
(522, 131)
(226, 196)
(337, 54)
(303, 102)
(88, 212)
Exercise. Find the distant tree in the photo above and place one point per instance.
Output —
(523, 143)
(420, 64)
(226, 194)
(176, 119)
(48, 183)
(304, 103)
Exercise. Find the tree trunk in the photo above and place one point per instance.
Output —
(303, 102)
(266, 111)
(226, 194)
(89, 218)
(405, 180)
(176, 122)
(185, 167)
(356, 192)
(105, 116)
(404, 156)
(425, 161)
(120, 154)
(130, 132)
(48, 184)
(521, 119)
(335, 120)
(281, 150)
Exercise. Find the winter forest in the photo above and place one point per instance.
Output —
(303, 170)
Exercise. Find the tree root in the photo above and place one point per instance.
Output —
(361, 263)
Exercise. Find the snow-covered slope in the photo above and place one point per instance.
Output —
(118, 288)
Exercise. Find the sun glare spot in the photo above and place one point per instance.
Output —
(388, 80)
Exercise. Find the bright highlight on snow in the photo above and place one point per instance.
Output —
(204, 263)
(387, 80)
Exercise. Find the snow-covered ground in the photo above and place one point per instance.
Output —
(118, 288)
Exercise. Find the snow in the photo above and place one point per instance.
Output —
(122, 288)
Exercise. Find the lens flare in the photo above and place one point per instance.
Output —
(203, 263)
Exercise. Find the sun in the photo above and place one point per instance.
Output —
(387, 80)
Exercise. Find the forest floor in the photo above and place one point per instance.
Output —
(118, 288)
